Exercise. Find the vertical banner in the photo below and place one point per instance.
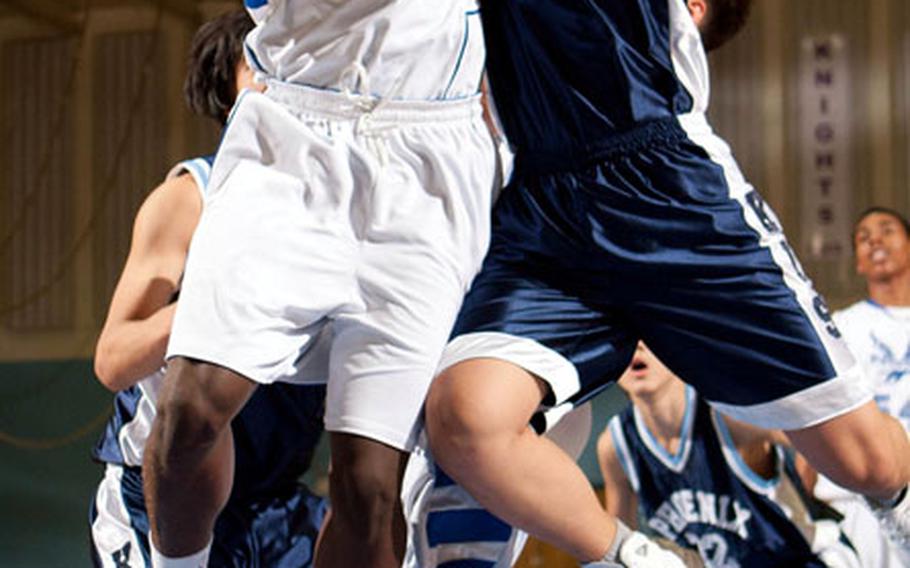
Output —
(824, 147)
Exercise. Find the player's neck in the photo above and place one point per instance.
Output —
(894, 291)
(663, 413)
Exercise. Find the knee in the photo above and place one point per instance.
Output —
(363, 495)
(187, 420)
(464, 427)
(863, 450)
(876, 473)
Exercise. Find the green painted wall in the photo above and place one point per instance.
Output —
(46, 476)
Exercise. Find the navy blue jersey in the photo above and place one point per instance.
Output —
(569, 75)
(705, 497)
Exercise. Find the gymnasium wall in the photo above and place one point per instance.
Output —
(813, 94)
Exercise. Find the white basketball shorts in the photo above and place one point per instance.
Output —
(368, 216)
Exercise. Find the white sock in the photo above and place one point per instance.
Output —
(611, 558)
(196, 560)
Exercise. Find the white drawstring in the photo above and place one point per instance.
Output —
(356, 74)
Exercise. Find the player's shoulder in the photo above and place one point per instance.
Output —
(856, 313)
(173, 208)
(200, 169)
(178, 191)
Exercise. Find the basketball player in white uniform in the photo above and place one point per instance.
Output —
(355, 192)
(877, 330)
(271, 518)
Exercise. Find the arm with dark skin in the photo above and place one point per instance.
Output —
(134, 337)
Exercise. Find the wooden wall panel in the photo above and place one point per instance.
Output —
(129, 147)
(851, 20)
(735, 110)
(36, 202)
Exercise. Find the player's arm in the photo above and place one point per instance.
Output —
(619, 497)
(622, 502)
(135, 334)
(756, 445)
(744, 433)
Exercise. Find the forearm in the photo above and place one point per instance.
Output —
(131, 350)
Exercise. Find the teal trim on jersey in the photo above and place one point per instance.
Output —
(461, 51)
(231, 114)
(676, 461)
(622, 452)
(738, 465)
(200, 170)
(252, 58)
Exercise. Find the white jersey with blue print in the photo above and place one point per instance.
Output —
(399, 49)
(879, 337)
(447, 528)
(706, 497)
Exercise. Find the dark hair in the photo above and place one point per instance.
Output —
(217, 47)
(884, 211)
(723, 20)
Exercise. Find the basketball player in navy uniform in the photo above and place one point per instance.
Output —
(707, 482)
(271, 518)
(628, 219)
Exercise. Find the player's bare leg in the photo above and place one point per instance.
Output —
(864, 450)
(867, 451)
(364, 489)
(189, 459)
(477, 418)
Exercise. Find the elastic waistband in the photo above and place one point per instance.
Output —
(322, 103)
(651, 134)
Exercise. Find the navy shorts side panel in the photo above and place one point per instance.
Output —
(653, 244)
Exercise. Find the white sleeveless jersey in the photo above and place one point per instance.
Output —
(134, 430)
(399, 49)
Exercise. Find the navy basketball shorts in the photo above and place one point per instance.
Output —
(662, 240)
(278, 531)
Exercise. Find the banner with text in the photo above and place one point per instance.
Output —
(825, 147)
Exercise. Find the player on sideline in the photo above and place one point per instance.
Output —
(355, 193)
(710, 483)
(628, 219)
(271, 519)
(877, 330)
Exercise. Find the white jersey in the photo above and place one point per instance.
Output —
(879, 338)
(399, 49)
